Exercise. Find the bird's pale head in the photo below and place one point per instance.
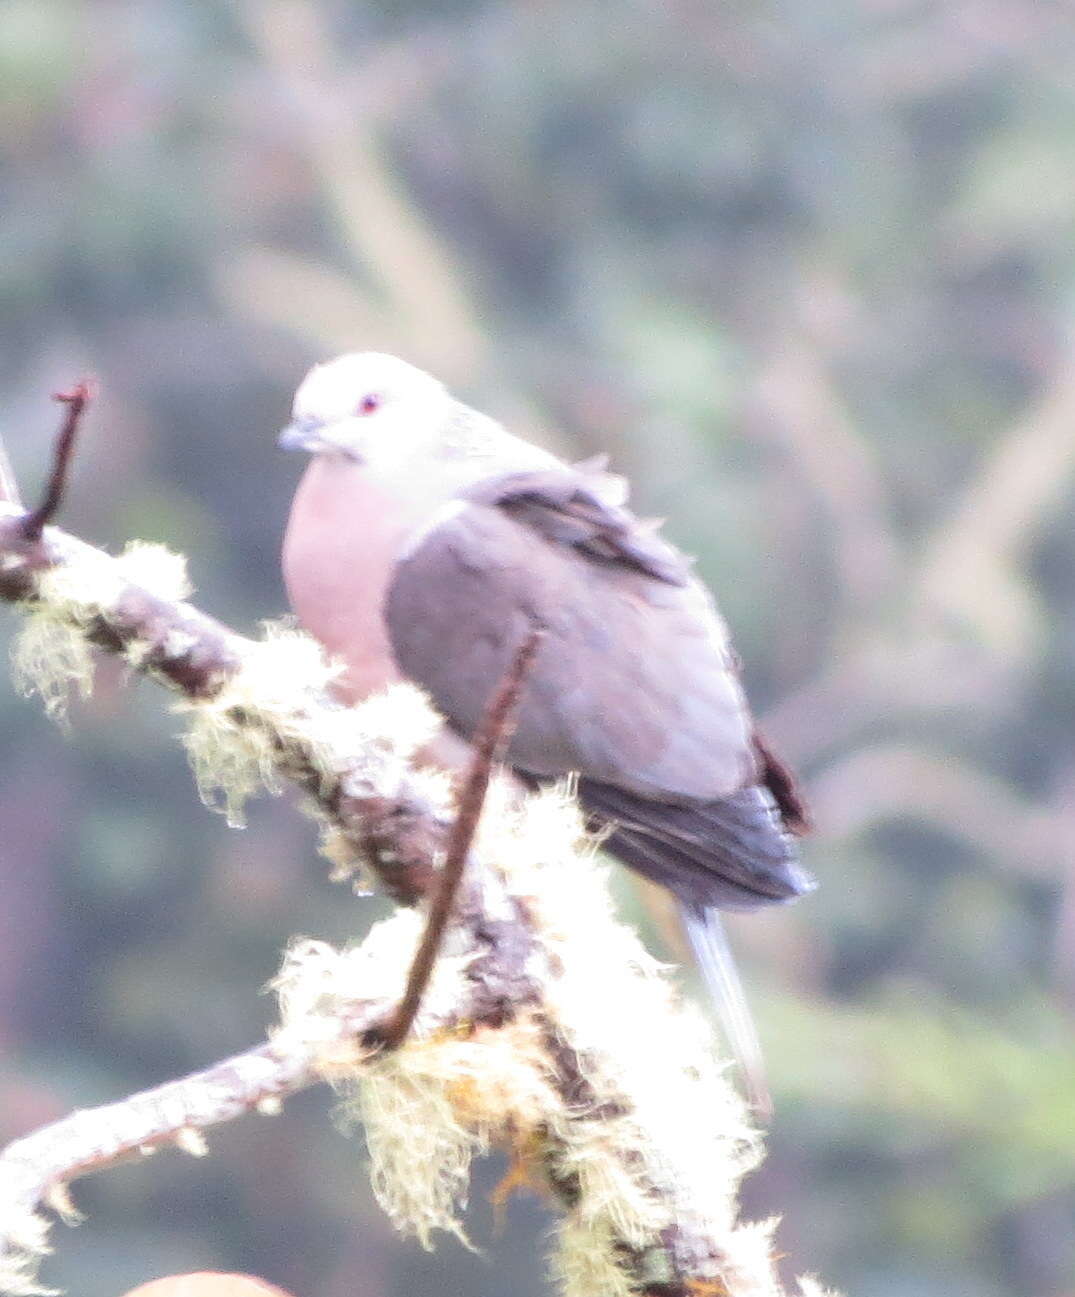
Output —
(369, 408)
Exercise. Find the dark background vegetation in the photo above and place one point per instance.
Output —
(806, 270)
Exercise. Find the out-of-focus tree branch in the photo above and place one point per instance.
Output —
(796, 403)
(971, 568)
(418, 291)
(9, 489)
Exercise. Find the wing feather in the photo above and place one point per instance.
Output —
(635, 685)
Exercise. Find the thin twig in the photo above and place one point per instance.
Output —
(93, 1139)
(76, 401)
(493, 734)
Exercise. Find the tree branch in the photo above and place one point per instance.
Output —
(36, 1171)
(393, 829)
(540, 1023)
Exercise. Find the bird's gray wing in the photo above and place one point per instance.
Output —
(634, 688)
(635, 685)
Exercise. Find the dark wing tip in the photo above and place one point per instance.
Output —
(732, 853)
(569, 508)
(775, 775)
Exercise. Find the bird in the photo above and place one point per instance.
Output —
(425, 540)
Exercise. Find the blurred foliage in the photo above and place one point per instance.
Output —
(807, 272)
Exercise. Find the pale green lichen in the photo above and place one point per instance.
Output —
(748, 1268)
(379, 740)
(156, 569)
(25, 1245)
(51, 654)
(431, 1105)
(420, 1152)
(163, 574)
(810, 1286)
(234, 737)
(586, 1261)
(49, 658)
(275, 701)
(316, 980)
(231, 761)
(685, 1140)
(396, 722)
(60, 1201)
(613, 1198)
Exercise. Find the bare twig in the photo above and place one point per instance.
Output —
(35, 1169)
(493, 735)
(76, 401)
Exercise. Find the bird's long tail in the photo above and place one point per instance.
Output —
(709, 942)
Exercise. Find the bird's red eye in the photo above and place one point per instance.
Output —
(370, 402)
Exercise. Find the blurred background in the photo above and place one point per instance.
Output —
(808, 273)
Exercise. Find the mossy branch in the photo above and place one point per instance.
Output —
(544, 1028)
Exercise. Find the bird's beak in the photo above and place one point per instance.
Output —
(302, 434)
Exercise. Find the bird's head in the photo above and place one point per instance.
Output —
(368, 408)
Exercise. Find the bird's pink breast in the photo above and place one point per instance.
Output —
(343, 537)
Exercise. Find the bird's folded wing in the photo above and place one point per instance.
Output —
(580, 508)
(635, 684)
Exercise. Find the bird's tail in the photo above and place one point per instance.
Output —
(714, 957)
(732, 852)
